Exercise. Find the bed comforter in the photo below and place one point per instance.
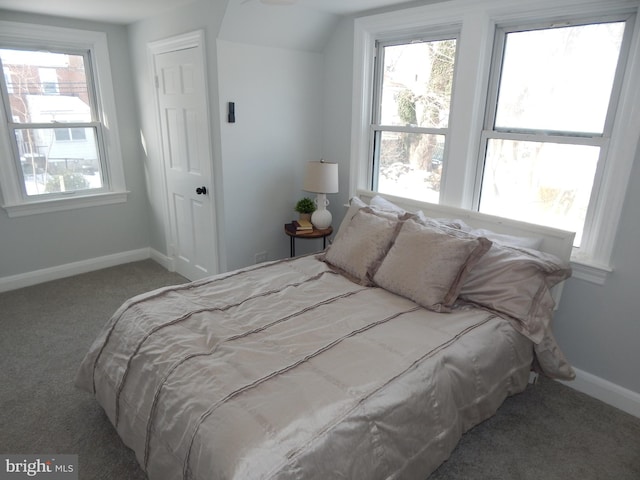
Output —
(290, 371)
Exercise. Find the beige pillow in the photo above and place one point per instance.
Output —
(517, 282)
(362, 245)
(355, 204)
(428, 264)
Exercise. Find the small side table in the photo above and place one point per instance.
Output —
(290, 230)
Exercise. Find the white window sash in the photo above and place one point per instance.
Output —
(15, 202)
(477, 20)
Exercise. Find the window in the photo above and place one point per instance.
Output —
(411, 117)
(50, 163)
(61, 150)
(543, 115)
(548, 122)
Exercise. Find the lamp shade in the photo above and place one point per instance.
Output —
(321, 177)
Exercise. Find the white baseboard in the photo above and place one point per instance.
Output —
(606, 391)
(61, 271)
(162, 259)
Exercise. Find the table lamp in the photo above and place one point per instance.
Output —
(321, 178)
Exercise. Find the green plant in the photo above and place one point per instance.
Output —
(305, 205)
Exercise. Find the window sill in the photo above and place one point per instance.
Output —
(590, 271)
(60, 204)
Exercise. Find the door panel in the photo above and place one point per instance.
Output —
(188, 161)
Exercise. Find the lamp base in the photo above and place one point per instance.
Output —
(321, 218)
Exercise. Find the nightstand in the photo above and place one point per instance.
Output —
(290, 230)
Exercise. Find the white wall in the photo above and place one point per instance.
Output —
(45, 241)
(259, 160)
(291, 27)
(272, 70)
(598, 326)
(278, 106)
(338, 78)
(201, 15)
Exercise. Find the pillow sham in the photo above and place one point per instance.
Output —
(517, 282)
(428, 264)
(355, 204)
(363, 244)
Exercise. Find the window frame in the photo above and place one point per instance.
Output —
(376, 126)
(73, 41)
(478, 22)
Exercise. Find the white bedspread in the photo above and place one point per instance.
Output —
(290, 371)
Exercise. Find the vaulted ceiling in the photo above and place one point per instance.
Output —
(129, 11)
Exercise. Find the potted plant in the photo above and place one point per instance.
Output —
(305, 207)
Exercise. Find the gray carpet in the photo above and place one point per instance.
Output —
(548, 432)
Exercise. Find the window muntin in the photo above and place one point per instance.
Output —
(547, 125)
(51, 113)
(411, 118)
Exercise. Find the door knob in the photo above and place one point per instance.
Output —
(201, 190)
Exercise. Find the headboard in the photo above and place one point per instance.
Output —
(554, 241)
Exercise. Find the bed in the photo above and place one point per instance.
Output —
(369, 360)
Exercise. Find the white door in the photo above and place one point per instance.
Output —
(183, 107)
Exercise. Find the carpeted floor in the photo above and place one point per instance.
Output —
(548, 432)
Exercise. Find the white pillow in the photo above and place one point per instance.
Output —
(505, 239)
(384, 204)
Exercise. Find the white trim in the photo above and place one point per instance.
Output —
(158, 47)
(60, 204)
(75, 268)
(159, 257)
(591, 272)
(606, 391)
(195, 39)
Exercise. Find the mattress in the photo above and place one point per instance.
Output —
(290, 370)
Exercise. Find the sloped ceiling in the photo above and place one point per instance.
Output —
(291, 27)
(110, 11)
(129, 11)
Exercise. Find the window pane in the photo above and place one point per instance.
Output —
(544, 183)
(416, 84)
(46, 87)
(50, 165)
(559, 79)
(410, 165)
(62, 134)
